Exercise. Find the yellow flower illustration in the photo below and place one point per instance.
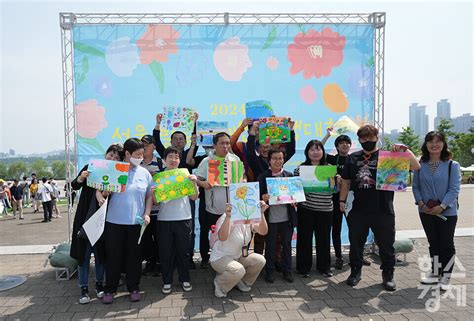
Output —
(163, 197)
(179, 179)
(161, 186)
(172, 193)
(167, 182)
(241, 192)
(184, 191)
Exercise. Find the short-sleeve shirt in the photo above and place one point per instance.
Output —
(155, 166)
(126, 206)
(17, 192)
(45, 191)
(239, 236)
(361, 169)
(337, 160)
(175, 210)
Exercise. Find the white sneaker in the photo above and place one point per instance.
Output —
(187, 287)
(445, 283)
(243, 287)
(430, 279)
(218, 291)
(166, 289)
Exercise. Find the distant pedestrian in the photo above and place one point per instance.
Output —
(45, 191)
(17, 199)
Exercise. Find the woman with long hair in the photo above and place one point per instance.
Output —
(436, 188)
(314, 217)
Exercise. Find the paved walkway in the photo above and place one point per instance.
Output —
(43, 298)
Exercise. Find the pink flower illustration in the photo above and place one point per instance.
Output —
(157, 43)
(272, 63)
(307, 94)
(231, 59)
(90, 118)
(316, 53)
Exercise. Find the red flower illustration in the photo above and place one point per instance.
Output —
(157, 43)
(316, 53)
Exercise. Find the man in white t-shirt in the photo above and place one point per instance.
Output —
(45, 191)
(229, 256)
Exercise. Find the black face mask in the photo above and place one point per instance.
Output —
(368, 146)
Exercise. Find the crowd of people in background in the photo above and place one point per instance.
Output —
(224, 245)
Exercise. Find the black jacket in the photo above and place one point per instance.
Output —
(264, 190)
(87, 205)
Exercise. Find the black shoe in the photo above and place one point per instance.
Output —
(84, 298)
(388, 282)
(44, 221)
(269, 278)
(354, 278)
(326, 273)
(288, 277)
(365, 262)
(278, 267)
(204, 265)
(99, 290)
(304, 274)
(339, 263)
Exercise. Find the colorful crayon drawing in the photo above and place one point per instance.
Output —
(178, 118)
(320, 179)
(274, 130)
(285, 190)
(173, 184)
(224, 173)
(258, 109)
(244, 198)
(343, 126)
(107, 175)
(207, 129)
(392, 171)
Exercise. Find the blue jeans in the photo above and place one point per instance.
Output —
(84, 268)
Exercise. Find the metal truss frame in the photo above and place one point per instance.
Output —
(69, 20)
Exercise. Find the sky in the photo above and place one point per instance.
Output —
(428, 52)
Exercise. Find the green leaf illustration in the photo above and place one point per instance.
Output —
(157, 70)
(271, 37)
(370, 62)
(93, 143)
(88, 49)
(85, 70)
(122, 179)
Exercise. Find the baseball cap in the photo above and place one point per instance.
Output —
(148, 139)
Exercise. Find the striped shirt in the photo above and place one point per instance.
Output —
(321, 202)
(433, 166)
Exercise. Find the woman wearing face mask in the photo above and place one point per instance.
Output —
(436, 188)
(125, 212)
(371, 208)
(81, 248)
(314, 216)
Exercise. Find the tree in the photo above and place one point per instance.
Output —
(444, 127)
(410, 139)
(3, 170)
(40, 167)
(387, 143)
(462, 146)
(59, 169)
(16, 170)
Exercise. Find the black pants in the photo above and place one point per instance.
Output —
(48, 210)
(175, 237)
(383, 227)
(336, 226)
(440, 236)
(318, 223)
(150, 251)
(193, 229)
(286, 232)
(206, 220)
(122, 250)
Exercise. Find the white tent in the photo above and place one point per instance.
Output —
(468, 169)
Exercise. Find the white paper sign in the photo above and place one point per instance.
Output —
(94, 226)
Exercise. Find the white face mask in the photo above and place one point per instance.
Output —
(136, 161)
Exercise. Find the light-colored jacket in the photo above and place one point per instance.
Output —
(441, 186)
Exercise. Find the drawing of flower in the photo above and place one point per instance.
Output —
(103, 86)
(122, 57)
(272, 63)
(161, 186)
(307, 94)
(157, 43)
(90, 118)
(180, 178)
(172, 193)
(316, 53)
(231, 59)
(241, 192)
(185, 191)
(334, 98)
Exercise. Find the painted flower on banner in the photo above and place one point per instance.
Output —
(316, 53)
(103, 86)
(192, 65)
(231, 59)
(307, 94)
(272, 63)
(157, 43)
(122, 57)
(335, 99)
(90, 118)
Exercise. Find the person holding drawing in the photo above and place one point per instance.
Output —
(436, 188)
(126, 212)
(230, 257)
(175, 230)
(314, 217)
(371, 208)
(81, 248)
